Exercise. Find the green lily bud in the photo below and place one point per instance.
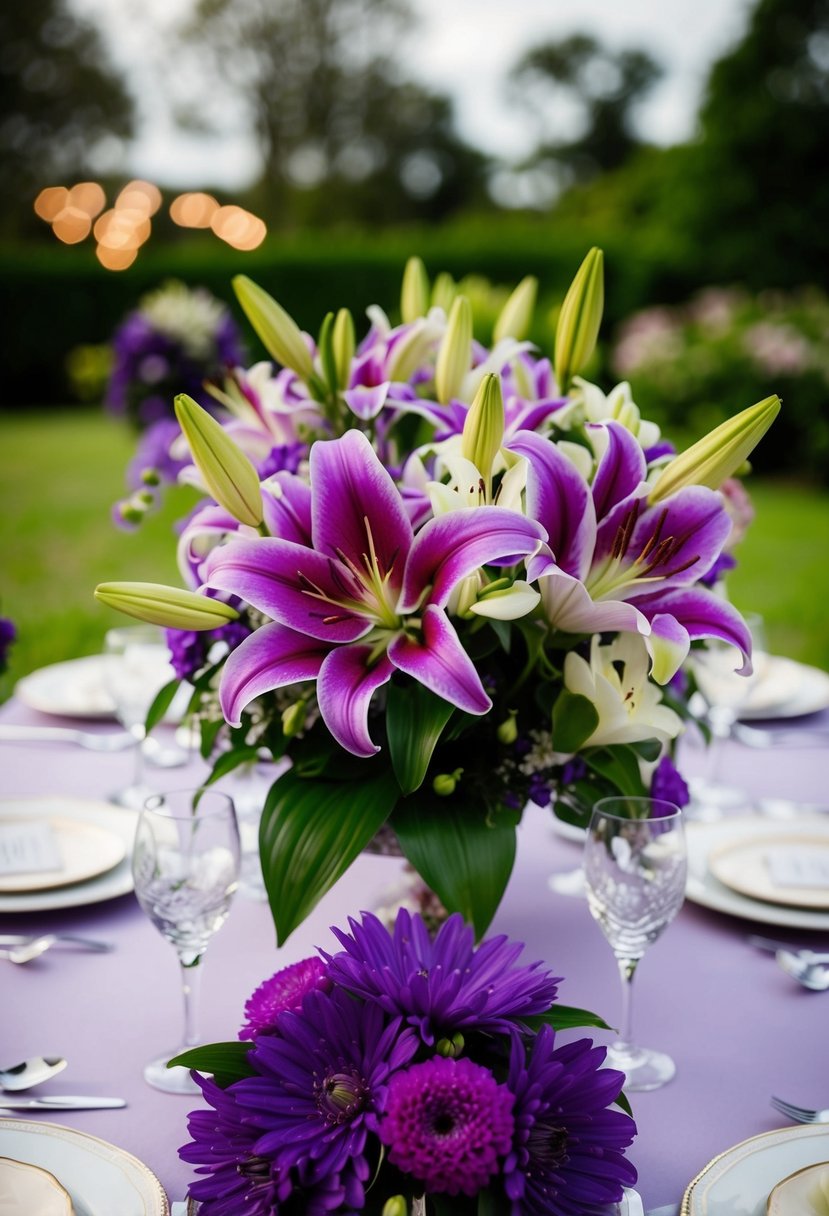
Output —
(444, 291)
(344, 343)
(483, 430)
(414, 297)
(508, 730)
(228, 474)
(455, 354)
(579, 319)
(516, 316)
(131, 512)
(712, 459)
(410, 352)
(145, 498)
(444, 784)
(293, 719)
(170, 607)
(150, 477)
(450, 1049)
(396, 1206)
(280, 334)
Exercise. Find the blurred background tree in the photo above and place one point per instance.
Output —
(61, 101)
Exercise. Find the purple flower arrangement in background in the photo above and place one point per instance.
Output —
(406, 1067)
(7, 635)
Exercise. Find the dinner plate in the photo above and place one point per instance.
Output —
(107, 885)
(72, 689)
(28, 1188)
(102, 1180)
(745, 867)
(85, 849)
(793, 1196)
(704, 888)
(786, 689)
(741, 1179)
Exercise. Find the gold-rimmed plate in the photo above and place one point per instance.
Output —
(28, 1188)
(747, 1173)
(747, 866)
(85, 851)
(795, 1194)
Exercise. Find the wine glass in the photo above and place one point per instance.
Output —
(635, 865)
(725, 693)
(185, 865)
(136, 667)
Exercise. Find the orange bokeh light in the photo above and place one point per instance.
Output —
(238, 228)
(115, 259)
(71, 225)
(122, 229)
(139, 196)
(50, 202)
(88, 197)
(193, 210)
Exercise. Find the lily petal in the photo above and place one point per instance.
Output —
(621, 466)
(453, 546)
(287, 502)
(703, 615)
(270, 658)
(440, 662)
(345, 687)
(367, 401)
(568, 606)
(668, 644)
(559, 498)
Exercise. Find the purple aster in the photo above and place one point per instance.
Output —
(444, 985)
(189, 649)
(668, 783)
(7, 635)
(322, 1086)
(567, 1157)
(153, 452)
(282, 991)
(447, 1122)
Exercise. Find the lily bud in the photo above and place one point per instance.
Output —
(280, 334)
(455, 354)
(293, 719)
(396, 1206)
(483, 430)
(170, 607)
(712, 459)
(516, 316)
(228, 474)
(344, 343)
(444, 291)
(507, 731)
(150, 477)
(414, 297)
(445, 784)
(410, 352)
(579, 319)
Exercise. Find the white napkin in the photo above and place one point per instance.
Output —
(28, 848)
(799, 867)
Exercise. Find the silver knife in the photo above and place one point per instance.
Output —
(62, 1102)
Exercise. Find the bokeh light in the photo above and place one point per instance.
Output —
(238, 228)
(193, 210)
(88, 197)
(115, 259)
(125, 228)
(50, 202)
(71, 225)
(141, 196)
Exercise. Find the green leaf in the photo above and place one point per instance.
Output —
(228, 761)
(310, 833)
(228, 1062)
(209, 732)
(493, 1205)
(465, 856)
(620, 766)
(574, 719)
(648, 749)
(415, 719)
(623, 1102)
(566, 1017)
(325, 346)
(163, 701)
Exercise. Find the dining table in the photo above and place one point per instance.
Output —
(738, 1028)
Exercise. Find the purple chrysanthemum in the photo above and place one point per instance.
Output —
(447, 1123)
(668, 783)
(322, 1085)
(567, 1157)
(444, 985)
(282, 991)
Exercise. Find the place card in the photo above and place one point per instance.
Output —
(28, 847)
(799, 867)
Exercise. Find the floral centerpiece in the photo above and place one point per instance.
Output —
(443, 580)
(405, 1074)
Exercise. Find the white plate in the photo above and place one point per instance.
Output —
(101, 1179)
(744, 866)
(85, 851)
(114, 882)
(786, 689)
(73, 689)
(741, 1179)
(28, 1188)
(792, 1196)
(703, 888)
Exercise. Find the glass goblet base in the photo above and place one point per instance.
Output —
(644, 1069)
(170, 1080)
(569, 882)
(132, 797)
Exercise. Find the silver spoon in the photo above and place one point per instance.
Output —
(811, 972)
(32, 948)
(30, 1072)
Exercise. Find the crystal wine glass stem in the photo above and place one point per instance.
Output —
(627, 968)
(190, 984)
(139, 734)
(721, 720)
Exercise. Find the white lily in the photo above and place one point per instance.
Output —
(616, 681)
(589, 404)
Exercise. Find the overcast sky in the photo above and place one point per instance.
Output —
(461, 47)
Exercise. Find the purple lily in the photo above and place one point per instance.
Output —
(621, 564)
(366, 598)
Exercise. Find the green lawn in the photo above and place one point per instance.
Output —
(62, 471)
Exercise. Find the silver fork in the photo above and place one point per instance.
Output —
(113, 742)
(25, 949)
(800, 1114)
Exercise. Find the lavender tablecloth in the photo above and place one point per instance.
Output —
(738, 1028)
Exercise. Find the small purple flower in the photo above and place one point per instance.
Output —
(321, 1087)
(444, 985)
(189, 650)
(567, 1157)
(447, 1122)
(668, 783)
(7, 635)
(724, 563)
(282, 991)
